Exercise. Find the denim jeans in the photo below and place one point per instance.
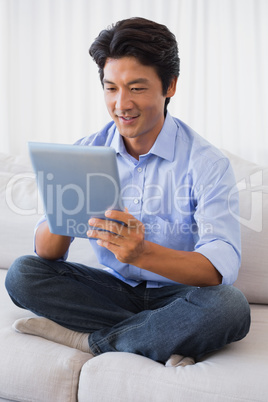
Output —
(155, 323)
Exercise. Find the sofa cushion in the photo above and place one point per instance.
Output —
(252, 183)
(229, 375)
(32, 366)
(55, 378)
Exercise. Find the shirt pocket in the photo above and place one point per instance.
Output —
(175, 234)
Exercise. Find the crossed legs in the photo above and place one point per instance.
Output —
(109, 315)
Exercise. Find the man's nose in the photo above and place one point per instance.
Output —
(123, 100)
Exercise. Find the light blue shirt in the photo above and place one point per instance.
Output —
(183, 191)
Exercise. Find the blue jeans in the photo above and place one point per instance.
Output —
(155, 323)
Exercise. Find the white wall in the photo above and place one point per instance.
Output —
(50, 89)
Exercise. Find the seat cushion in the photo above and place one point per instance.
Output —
(32, 368)
(237, 373)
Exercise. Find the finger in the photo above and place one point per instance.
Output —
(111, 247)
(97, 222)
(93, 234)
(124, 217)
(106, 244)
(108, 225)
(121, 216)
(105, 236)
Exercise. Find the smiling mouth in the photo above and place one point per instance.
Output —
(127, 119)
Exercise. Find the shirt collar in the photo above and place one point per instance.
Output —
(117, 143)
(164, 145)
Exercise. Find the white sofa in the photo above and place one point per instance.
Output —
(34, 369)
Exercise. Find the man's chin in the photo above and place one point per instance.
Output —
(127, 132)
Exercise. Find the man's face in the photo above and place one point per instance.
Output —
(134, 98)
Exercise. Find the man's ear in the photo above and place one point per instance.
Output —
(172, 88)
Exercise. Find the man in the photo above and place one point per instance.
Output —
(166, 288)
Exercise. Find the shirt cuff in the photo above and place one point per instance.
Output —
(224, 258)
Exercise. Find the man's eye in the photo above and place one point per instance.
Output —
(110, 89)
(137, 89)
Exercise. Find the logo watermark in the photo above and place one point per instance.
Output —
(70, 199)
(253, 198)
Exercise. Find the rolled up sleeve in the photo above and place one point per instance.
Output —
(217, 216)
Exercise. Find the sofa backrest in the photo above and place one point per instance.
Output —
(18, 215)
(252, 183)
(20, 208)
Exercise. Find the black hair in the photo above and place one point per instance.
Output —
(151, 43)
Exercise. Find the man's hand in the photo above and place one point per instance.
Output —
(125, 240)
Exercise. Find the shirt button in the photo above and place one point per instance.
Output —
(136, 201)
(139, 169)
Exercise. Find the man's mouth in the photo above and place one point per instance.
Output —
(127, 118)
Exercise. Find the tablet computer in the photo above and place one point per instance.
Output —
(75, 183)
